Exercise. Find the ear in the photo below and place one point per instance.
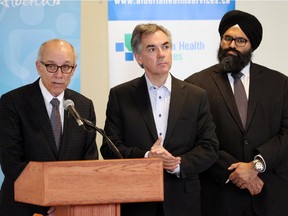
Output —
(38, 67)
(138, 59)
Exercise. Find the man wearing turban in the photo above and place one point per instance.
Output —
(250, 177)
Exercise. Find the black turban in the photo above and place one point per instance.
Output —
(248, 23)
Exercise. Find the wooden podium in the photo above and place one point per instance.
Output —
(93, 187)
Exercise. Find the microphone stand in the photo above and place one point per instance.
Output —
(102, 132)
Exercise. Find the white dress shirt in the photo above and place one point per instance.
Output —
(160, 102)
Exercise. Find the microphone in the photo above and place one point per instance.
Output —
(69, 106)
(102, 132)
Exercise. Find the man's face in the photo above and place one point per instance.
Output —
(58, 53)
(234, 55)
(156, 54)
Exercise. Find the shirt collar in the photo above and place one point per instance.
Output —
(246, 70)
(47, 95)
(167, 84)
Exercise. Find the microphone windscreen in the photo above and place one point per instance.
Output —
(68, 103)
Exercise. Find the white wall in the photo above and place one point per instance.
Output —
(273, 17)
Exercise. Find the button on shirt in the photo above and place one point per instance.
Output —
(160, 102)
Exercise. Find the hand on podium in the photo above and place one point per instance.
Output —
(51, 212)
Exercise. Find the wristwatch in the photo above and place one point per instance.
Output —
(258, 165)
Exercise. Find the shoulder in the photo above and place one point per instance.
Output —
(185, 86)
(203, 74)
(129, 86)
(267, 71)
(192, 95)
(134, 82)
(273, 79)
(77, 97)
(21, 93)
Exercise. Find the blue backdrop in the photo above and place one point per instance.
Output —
(25, 25)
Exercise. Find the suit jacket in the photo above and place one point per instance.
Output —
(190, 135)
(266, 134)
(26, 135)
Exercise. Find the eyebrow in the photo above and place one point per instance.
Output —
(153, 45)
(242, 37)
(53, 62)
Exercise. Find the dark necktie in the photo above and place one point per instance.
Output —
(56, 121)
(240, 97)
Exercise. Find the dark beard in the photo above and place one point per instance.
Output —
(230, 63)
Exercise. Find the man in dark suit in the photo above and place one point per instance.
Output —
(26, 133)
(250, 177)
(159, 116)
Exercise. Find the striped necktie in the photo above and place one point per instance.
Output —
(240, 97)
(56, 121)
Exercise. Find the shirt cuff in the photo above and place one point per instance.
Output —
(176, 171)
(146, 154)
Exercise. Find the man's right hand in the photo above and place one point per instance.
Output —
(255, 186)
(170, 162)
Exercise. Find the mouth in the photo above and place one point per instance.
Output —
(57, 84)
(231, 52)
(162, 63)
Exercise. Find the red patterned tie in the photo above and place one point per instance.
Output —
(56, 121)
(240, 97)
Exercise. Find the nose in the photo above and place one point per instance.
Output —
(233, 44)
(58, 73)
(160, 53)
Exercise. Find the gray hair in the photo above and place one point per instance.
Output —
(144, 29)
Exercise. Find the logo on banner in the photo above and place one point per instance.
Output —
(125, 47)
(18, 3)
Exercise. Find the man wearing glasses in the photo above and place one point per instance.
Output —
(35, 127)
(249, 105)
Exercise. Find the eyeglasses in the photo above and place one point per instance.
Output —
(239, 41)
(53, 68)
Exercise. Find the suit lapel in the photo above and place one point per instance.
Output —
(224, 87)
(177, 101)
(41, 115)
(142, 101)
(67, 126)
(254, 92)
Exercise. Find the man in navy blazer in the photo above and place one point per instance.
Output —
(159, 116)
(250, 178)
(26, 133)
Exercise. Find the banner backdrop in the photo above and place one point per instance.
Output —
(194, 28)
(25, 25)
